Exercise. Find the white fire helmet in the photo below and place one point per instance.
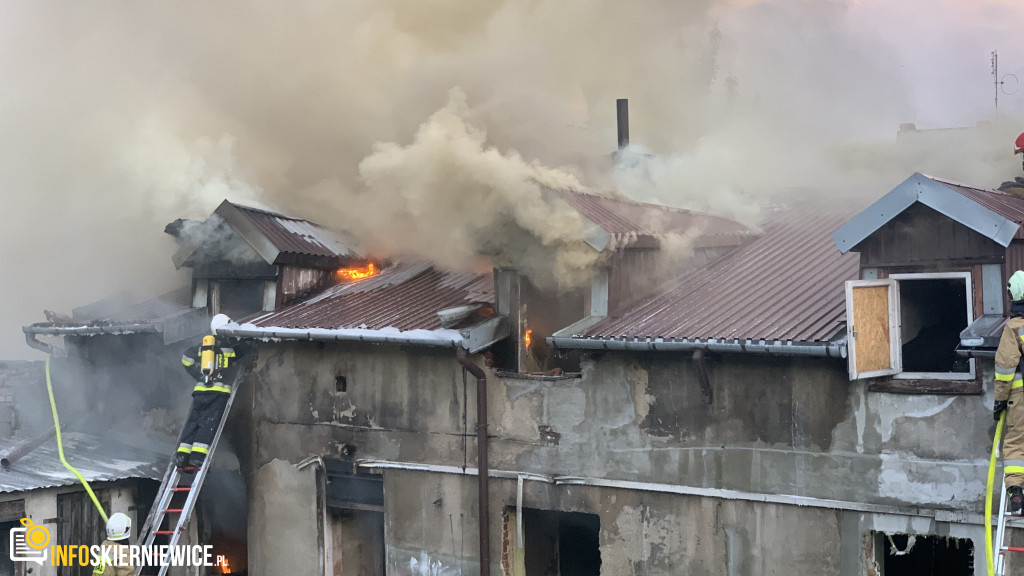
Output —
(218, 322)
(119, 527)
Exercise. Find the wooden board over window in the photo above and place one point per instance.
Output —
(872, 324)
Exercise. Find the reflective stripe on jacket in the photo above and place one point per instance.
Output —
(1008, 356)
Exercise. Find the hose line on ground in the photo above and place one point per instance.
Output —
(988, 494)
(60, 445)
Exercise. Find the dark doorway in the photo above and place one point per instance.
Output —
(358, 542)
(933, 312)
(561, 543)
(918, 555)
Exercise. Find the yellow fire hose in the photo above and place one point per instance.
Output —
(60, 445)
(988, 493)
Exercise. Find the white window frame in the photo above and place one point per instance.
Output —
(966, 277)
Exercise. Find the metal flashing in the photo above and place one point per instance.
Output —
(935, 194)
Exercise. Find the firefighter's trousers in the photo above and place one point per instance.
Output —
(208, 403)
(1013, 439)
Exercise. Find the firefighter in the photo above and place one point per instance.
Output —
(119, 529)
(1009, 393)
(213, 366)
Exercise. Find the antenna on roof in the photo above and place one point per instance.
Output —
(999, 84)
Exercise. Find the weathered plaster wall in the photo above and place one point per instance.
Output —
(284, 523)
(641, 533)
(783, 426)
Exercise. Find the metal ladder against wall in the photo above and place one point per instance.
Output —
(176, 487)
(1001, 547)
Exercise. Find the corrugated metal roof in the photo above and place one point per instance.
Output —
(1006, 205)
(402, 296)
(625, 218)
(786, 285)
(97, 459)
(297, 236)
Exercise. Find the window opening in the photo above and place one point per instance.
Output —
(922, 555)
(933, 310)
(554, 543)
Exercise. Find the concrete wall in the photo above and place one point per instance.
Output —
(785, 427)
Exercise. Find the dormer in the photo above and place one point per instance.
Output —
(246, 260)
(934, 258)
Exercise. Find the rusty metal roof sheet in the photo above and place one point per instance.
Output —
(170, 314)
(295, 235)
(404, 296)
(639, 222)
(1006, 205)
(97, 459)
(787, 285)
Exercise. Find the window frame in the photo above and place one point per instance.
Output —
(967, 277)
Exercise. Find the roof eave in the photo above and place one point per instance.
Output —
(48, 329)
(828, 349)
(328, 335)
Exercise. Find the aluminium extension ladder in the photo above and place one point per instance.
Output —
(1001, 547)
(176, 487)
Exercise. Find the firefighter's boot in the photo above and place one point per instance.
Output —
(1016, 494)
(195, 462)
(181, 460)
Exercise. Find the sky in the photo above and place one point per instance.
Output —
(428, 127)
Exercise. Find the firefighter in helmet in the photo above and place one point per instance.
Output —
(119, 529)
(213, 366)
(1009, 393)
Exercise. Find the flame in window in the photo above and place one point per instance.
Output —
(349, 274)
(225, 567)
(527, 338)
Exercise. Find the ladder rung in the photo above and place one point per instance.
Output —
(165, 532)
(173, 510)
(181, 488)
(1014, 549)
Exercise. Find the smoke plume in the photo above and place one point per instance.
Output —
(118, 118)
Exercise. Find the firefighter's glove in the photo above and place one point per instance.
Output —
(998, 408)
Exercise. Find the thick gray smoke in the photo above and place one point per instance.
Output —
(119, 117)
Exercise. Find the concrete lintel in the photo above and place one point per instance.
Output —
(937, 514)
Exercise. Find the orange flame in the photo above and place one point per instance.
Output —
(527, 338)
(225, 567)
(357, 273)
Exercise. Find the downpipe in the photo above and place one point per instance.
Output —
(483, 498)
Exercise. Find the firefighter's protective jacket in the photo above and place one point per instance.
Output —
(106, 566)
(1008, 357)
(226, 359)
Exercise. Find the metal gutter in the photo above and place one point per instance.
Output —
(832, 349)
(51, 330)
(327, 336)
(940, 515)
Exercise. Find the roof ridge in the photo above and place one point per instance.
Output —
(962, 185)
(272, 213)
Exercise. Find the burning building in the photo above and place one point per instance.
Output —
(807, 395)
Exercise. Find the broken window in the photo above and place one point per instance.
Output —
(908, 326)
(552, 543)
(920, 555)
